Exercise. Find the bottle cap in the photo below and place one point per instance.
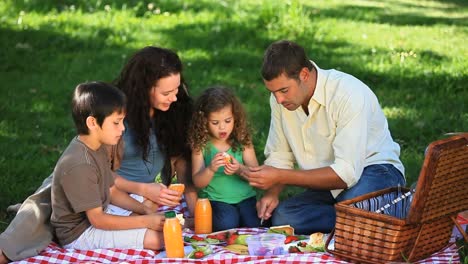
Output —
(170, 214)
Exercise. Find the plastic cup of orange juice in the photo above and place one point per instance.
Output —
(180, 187)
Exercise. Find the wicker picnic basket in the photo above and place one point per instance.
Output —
(414, 227)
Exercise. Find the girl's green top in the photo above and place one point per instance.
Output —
(230, 189)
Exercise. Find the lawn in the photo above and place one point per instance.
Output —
(412, 53)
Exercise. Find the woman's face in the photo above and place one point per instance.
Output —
(164, 92)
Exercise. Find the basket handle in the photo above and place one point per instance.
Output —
(459, 228)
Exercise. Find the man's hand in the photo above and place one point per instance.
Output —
(262, 177)
(160, 194)
(266, 205)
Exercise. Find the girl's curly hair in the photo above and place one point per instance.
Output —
(211, 100)
(136, 80)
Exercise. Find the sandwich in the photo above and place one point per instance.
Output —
(284, 229)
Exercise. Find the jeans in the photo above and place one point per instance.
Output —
(313, 210)
(243, 214)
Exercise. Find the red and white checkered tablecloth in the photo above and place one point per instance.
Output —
(55, 254)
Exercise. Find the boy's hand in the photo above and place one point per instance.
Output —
(216, 162)
(233, 167)
(156, 221)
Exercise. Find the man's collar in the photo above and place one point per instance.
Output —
(319, 93)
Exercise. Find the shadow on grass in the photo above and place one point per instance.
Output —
(139, 8)
(382, 15)
(39, 71)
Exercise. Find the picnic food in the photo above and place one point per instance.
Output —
(266, 244)
(284, 229)
(302, 246)
(238, 249)
(180, 187)
(203, 214)
(172, 233)
(290, 239)
(227, 158)
(200, 251)
(201, 240)
(181, 219)
(316, 240)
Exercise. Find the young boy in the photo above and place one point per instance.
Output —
(83, 183)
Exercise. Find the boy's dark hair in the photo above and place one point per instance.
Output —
(96, 99)
(286, 57)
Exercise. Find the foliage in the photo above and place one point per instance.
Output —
(409, 52)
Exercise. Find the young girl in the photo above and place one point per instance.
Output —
(221, 148)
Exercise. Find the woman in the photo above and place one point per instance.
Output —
(158, 113)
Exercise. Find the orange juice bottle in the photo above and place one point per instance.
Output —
(203, 216)
(173, 236)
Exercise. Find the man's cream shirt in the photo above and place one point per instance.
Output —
(346, 129)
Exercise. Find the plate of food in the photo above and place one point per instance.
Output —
(210, 239)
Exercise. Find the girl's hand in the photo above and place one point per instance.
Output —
(156, 221)
(218, 161)
(233, 167)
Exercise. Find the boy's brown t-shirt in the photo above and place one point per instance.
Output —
(82, 178)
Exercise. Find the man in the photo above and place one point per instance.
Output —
(332, 127)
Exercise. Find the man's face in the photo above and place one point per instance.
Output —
(288, 92)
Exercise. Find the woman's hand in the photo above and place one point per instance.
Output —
(160, 194)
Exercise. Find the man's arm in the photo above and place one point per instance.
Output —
(322, 178)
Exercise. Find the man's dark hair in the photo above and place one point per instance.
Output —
(96, 99)
(286, 57)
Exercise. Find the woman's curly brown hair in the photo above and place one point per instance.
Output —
(211, 100)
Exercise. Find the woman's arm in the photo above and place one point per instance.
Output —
(156, 192)
(123, 200)
(184, 175)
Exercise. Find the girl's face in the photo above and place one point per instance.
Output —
(221, 123)
(164, 92)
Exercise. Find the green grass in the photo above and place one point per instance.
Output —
(412, 53)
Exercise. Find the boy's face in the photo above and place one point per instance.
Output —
(112, 128)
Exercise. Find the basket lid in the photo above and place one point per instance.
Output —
(441, 188)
